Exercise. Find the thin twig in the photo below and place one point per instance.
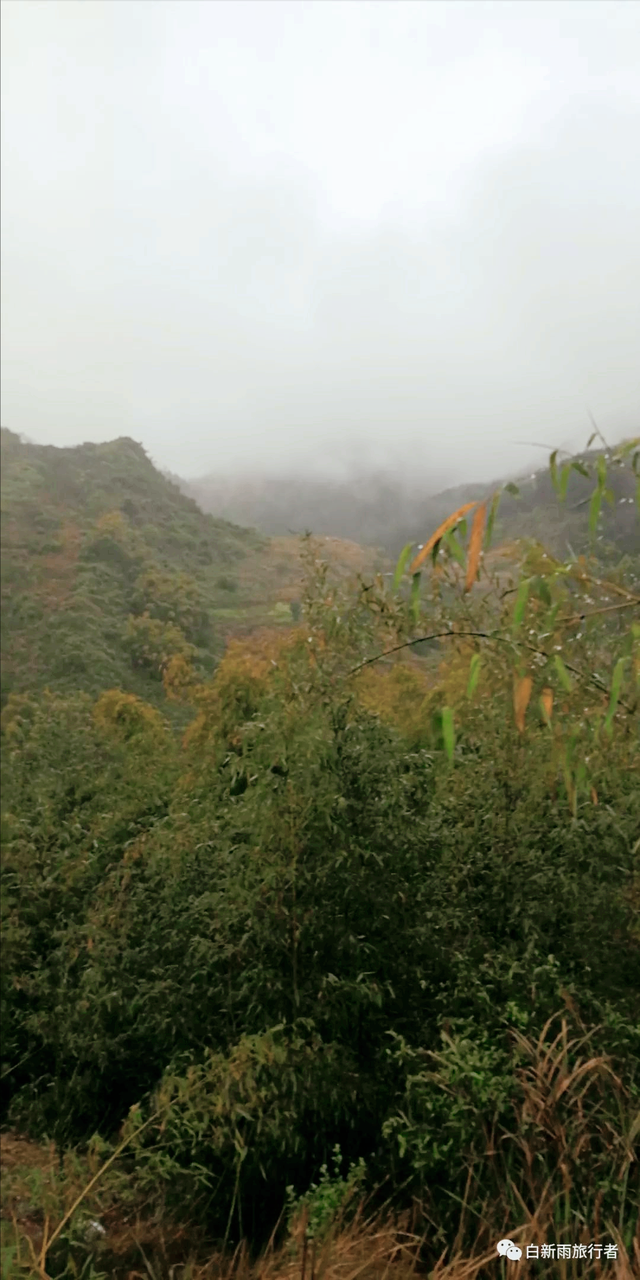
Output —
(598, 431)
(580, 617)
(595, 582)
(407, 644)
(609, 586)
(485, 635)
(85, 1191)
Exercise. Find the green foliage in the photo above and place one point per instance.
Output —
(327, 1200)
(325, 920)
(150, 643)
(445, 1110)
(448, 733)
(95, 539)
(174, 599)
(127, 717)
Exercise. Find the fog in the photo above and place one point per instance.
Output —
(318, 236)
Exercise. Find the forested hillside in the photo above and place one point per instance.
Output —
(365, 930)
(107, 568)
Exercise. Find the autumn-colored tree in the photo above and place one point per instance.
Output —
(126, 716)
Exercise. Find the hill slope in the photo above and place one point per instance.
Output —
(108, 568)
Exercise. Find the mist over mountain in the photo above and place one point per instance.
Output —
(434, 261)
(382, 509)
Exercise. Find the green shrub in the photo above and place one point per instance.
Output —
(340, 915)
(328, 1199)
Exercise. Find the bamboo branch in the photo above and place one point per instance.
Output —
(486, 635)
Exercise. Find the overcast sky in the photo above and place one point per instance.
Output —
(301, 234)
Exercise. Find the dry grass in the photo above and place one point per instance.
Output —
(560, 1123)
(277, 571)
(367, 1248)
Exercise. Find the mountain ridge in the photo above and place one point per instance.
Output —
(378, 510)
(103, 558)
(109, 569)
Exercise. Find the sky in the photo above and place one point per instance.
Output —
(318, 235)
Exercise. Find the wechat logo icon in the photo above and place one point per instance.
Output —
(507, 1249)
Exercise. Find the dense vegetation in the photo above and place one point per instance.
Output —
(108, 569)
(382, 895)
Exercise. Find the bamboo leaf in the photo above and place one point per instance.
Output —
(447, 524)
(401, 565)
(448, 733)
(565, 678)
(475, 545)
(454, 548)
(541, 588)
(594, 510)
(521, 696)
(521, 603)
(553, 469)
(546, 704)
(414, 603)
(564, 480)
(627, 447)
(616, 686)
(474, 675)
(493, 511)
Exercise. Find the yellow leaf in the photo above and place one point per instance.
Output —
(546, 702)
(594, 795)
(475, 545)
(439, 533)
(521, 696)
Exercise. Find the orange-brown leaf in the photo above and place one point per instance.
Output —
(475, 545)
(439, 533)
(546, 700)
(521, 696)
